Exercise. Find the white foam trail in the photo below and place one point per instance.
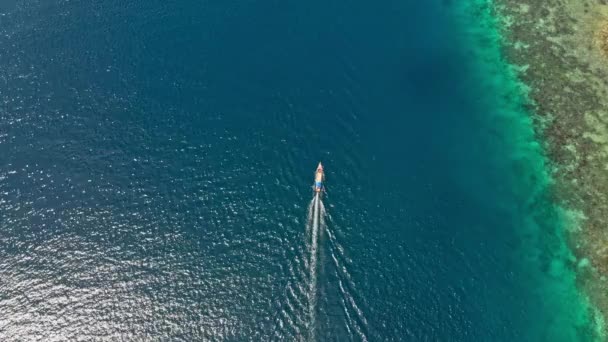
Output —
(322, 214)
(312, 294)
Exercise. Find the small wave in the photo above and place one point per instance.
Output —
(355, 317)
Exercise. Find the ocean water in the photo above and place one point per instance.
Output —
(156, 162)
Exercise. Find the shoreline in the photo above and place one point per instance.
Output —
(560, 51)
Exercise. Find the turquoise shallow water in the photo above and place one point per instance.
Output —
(556, 308)
(157, 158)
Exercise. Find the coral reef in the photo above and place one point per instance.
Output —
(561, 47)
(602, 37)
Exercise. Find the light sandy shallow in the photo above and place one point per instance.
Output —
(561, 50)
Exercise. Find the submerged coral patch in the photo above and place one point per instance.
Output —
(602, 38)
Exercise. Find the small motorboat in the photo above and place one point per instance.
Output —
(319, 178)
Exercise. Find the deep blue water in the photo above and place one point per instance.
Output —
(156, 161)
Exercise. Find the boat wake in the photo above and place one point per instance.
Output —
(314, 243)
(356, 322)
